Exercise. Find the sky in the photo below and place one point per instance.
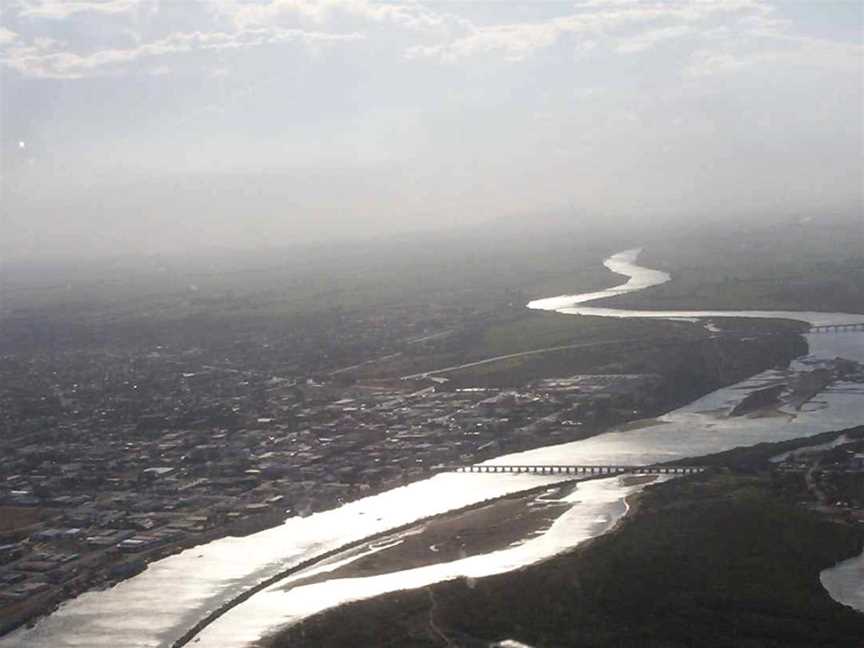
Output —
(150, 126)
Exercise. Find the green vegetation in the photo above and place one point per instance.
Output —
(540, 329)
(693, 362)
(787, 266)
(430, 285)
(711, 560)
(757, 457)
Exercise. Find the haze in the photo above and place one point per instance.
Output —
(147, 126)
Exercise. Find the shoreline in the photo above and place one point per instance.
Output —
(663, 523)
(257, 588)
(102, 581)
(190, 634)
(631, 503)
(268, 521)
(632, 506)
(481, 530)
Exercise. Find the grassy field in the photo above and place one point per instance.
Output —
(792, 265)
(539, 329)
(692, 362)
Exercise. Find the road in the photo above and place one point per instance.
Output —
(522, 354)
(581, 345)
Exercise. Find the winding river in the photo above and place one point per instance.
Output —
(155, 608)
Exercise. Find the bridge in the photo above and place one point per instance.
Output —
(577, 470)
(836, 328)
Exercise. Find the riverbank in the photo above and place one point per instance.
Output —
(505, 522)
(788, 266)
(113, 568)
(225, 568)
(696, 369)
(673, 574)
(323, 558)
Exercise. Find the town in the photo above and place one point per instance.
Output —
(104, 474)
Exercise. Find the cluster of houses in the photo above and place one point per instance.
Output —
(123, 471)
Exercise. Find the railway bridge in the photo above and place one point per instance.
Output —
(576, 470)
(837, 328)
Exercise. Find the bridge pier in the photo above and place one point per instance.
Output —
(577, 469)
(837, 328)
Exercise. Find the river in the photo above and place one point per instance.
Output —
(156, 607)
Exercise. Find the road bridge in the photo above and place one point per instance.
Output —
(837, 328)
(576, 470)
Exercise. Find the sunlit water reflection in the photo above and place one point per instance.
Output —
(156, 607)
(844, 582)
(597, 505)
(639, 278)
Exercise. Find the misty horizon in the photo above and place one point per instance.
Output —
(361, 323)
(136, 126)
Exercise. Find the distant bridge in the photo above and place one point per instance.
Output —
(577, 470)
(836, 328)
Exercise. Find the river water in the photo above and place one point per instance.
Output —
(156, 607)
(845, 582)
(640, 278)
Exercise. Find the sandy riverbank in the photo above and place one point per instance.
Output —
(491, 527)
(667, 574)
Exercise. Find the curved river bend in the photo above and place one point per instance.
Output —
(158, 606)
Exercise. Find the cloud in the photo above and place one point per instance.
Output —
(417, 31)
(411, 15)
(706, 63)
(717, 30)
(224, 25)
(781, 52)
(646, 40)
(7, 36)
(46, 58)
(66, 8)
(515, 42)
(592, 19)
